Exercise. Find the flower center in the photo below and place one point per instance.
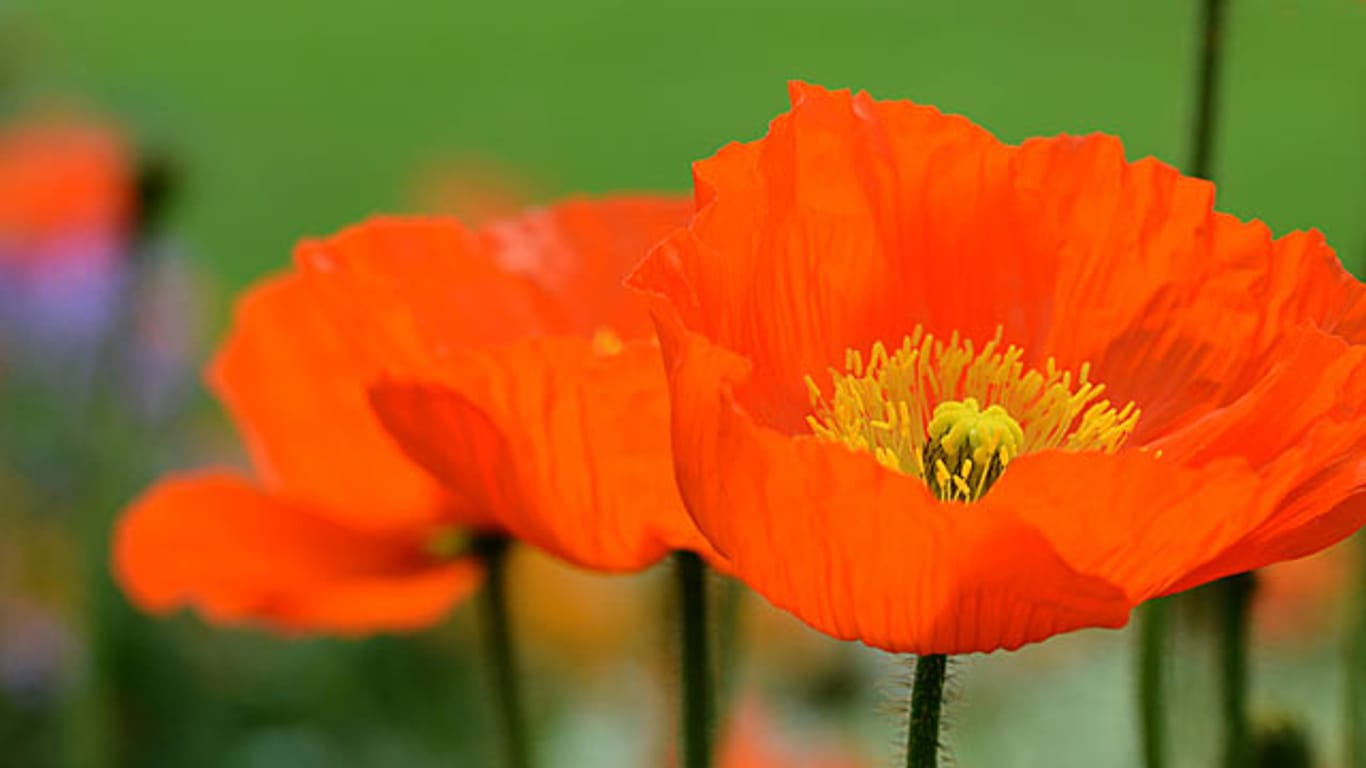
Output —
(956, 416)
(968, 448)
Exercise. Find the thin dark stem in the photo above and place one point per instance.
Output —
(501, 655)
(1356, 667)
(1208, 66)
(695, 671)
(927, 699)
(1152, 698)
(1235, 600)
(729, 628)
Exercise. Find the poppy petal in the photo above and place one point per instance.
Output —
(297, 393)
(1301, 428)
(824, 181)
(573, 442)
(415, 274)
(581, 249)
(1133, 519)
(238, 554)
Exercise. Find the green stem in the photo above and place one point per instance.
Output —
(695, 685)
(1235, 598)
(927, 699)
(502, 654)
(1356, 666)
(1152, 704)
(1207, 97)
(729, 607)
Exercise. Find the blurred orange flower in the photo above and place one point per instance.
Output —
(477, 348)
(473, 189)
(58, 177)
(1301, 601)
(753, 740)
(880, 312)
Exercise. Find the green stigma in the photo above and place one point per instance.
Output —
(968, 448)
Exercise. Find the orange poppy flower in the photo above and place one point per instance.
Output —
(477, 349)
(1135, 394)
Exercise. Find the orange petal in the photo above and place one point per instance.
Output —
(851, 222)
(396, 280)
(567, 446)
(1178, 307)
(1301, 428)
(582, 249)
(297, 392)
(1136, 521)
(239, 555)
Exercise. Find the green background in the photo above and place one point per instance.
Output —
(296, 118)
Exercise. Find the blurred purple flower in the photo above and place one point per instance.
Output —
(66, 203)
(36, 653)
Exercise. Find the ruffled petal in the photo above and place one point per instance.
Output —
(581, 250)
(1177, 307)
(567, 446)
(240, 555)
(827, 234)
(297, 392)
(397, 280)
(1301, 428)
(1137, 521)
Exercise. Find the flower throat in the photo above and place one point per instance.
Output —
(956, 417)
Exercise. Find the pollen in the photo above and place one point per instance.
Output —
(956, 416)
(606, 342)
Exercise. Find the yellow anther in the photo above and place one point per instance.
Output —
(606, 342)
(956, 416)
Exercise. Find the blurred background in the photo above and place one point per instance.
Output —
(244, 126)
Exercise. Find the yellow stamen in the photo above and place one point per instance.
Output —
(606, 342)
(956, 416)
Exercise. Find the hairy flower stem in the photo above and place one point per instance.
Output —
(927, 699)
(695, 670)
(1152, 698)
(1235, 599)
(501, 654)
